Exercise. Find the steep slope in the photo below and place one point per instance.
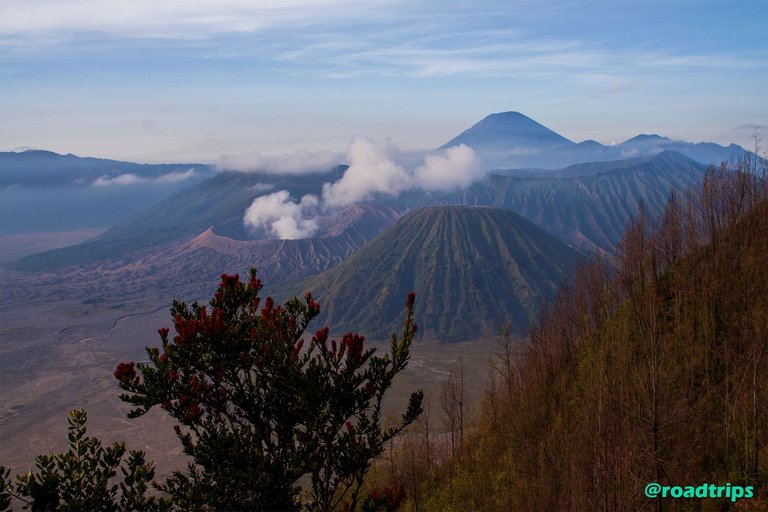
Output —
(588, 207)
(627, 377)
(471, 269)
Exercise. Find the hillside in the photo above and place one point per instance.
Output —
(472, 269)
(654, 373)
(588, 206)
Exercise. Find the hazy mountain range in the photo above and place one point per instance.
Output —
(45, 191)
(510, 140)
(495, 264)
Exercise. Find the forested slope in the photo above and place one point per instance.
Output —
(654, 371)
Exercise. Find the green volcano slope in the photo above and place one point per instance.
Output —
(472, 269)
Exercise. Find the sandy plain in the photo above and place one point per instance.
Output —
(61, 336)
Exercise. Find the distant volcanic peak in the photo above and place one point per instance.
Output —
(647, 137)
(504, 131)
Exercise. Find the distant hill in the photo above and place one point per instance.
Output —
(472, 269)
(510, 140)
(41, 191)
(37, 168)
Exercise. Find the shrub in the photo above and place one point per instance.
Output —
(259, 408)
(79, 479)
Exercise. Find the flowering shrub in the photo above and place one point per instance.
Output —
(258, 407)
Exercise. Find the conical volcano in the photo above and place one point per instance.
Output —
(472, 269)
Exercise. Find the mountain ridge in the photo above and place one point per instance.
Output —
(511, 140)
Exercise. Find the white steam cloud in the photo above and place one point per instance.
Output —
(129, 179)
(298, 162)
(375, 169)
(378, 168)
(372, 170)
(281, 217)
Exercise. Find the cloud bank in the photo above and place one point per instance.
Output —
(376, 169)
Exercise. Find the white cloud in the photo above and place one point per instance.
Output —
(166, 19)
(372, 170)
(121, 180)
(129, 179)
(375, 169)
(176, 176)
(456, 167)
(281, 217)
(298, 162)
(380, 168)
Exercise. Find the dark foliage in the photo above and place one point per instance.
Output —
(259, 408)
(82, 478)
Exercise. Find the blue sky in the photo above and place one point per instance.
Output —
(191, 80)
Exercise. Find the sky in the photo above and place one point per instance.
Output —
(202, 80)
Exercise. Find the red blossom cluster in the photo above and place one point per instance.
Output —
(186, 329)
(213, 324)
(125, 373)
(321, 337)
(254, 282)
(229, 282)
(313, 307)
(353, 343)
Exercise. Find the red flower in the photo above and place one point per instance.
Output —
(194, 410)
(411, 299)
(163, 332)
(186, 329)
(228, 282)
(354, 346)
(321, 337)
(125, 372)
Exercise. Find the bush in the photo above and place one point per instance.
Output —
(259, 409)
(79, 479)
